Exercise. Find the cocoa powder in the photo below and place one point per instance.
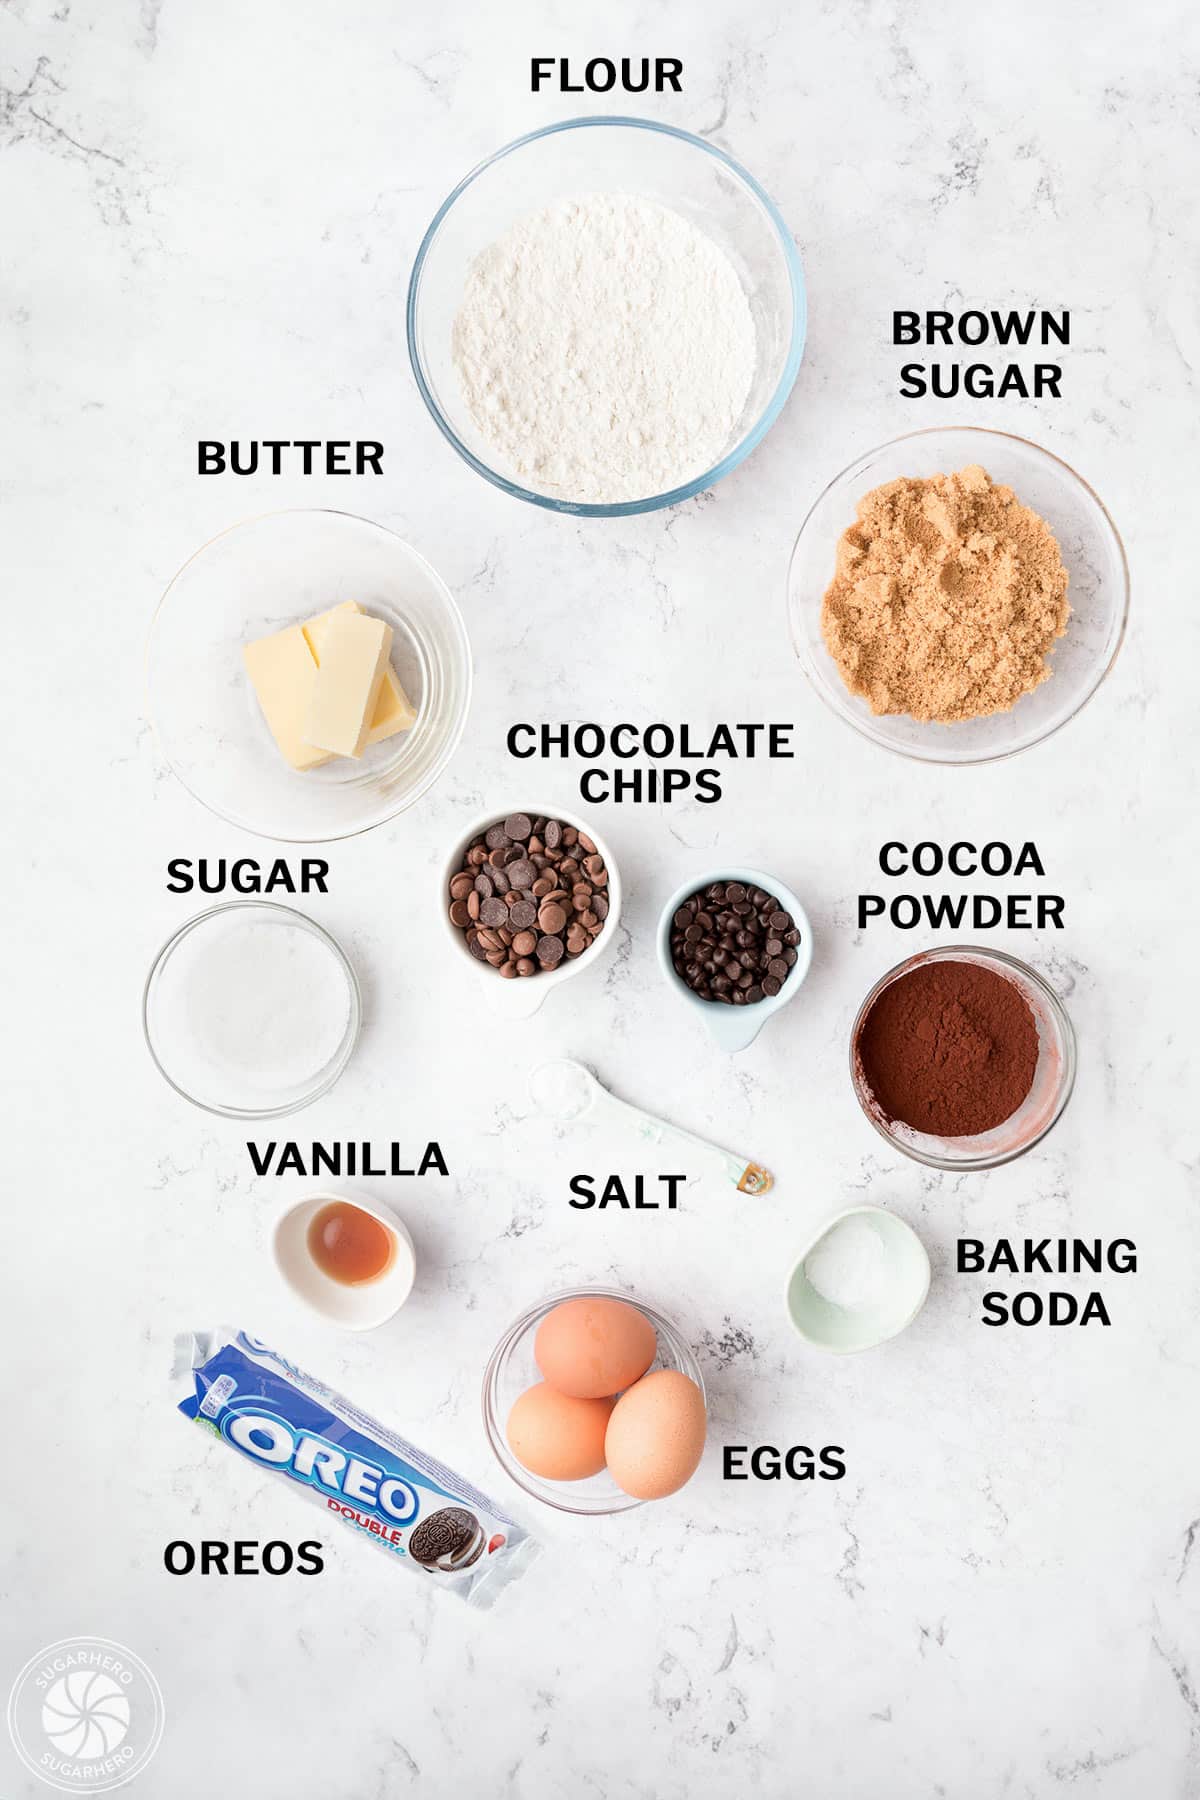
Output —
(950, 1049)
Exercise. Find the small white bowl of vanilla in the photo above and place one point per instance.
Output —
(347, 1257)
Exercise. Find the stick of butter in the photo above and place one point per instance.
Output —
(354, 656)
(394, 710)
(284, 674)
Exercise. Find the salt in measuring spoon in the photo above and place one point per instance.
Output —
(564, 1089)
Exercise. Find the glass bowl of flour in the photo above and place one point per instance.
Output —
(606, 317)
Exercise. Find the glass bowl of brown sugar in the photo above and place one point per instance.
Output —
(962, 1058)
(953, 576)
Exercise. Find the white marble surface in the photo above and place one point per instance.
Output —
(208, 215)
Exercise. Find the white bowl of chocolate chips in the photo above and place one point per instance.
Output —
(530, 898)
(735, 946)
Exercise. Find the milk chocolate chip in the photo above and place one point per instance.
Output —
(530, 892)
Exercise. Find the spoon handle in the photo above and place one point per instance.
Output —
(747, 1177)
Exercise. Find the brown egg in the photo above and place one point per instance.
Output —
(554, 1435)
(656, 1435)
(589, 1348)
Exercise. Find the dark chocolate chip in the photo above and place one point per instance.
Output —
(729, 942)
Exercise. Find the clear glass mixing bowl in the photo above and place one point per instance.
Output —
(512, 1369)
(1042, 1107)
(1091, 549)
(263, 575)
(581, 156)
(178, 1022)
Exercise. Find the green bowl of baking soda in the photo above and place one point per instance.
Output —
(860, 1280)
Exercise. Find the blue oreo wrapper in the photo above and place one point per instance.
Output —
(363, 1476)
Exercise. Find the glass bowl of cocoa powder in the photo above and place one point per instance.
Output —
(923, 584)
(962, 1058)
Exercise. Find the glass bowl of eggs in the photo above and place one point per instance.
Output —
(594, 1403)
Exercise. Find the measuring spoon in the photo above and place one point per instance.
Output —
(566, 1090)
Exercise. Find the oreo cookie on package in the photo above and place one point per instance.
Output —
(363, 1475)
(451, 1538)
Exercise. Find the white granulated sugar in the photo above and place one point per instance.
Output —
(605, 349)
(257, 1008)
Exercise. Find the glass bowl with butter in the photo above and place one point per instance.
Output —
(308, 675)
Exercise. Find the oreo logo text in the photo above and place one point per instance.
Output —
(313, 1461)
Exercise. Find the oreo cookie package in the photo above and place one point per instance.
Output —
(361, 1474)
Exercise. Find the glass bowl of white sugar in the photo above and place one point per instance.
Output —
(606, 316)
(251, 1010)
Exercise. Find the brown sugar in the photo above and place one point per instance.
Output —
(947, 598)
(950, 1048)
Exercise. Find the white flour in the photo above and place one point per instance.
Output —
(605, 349)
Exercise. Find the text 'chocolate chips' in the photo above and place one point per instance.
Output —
(530, 892)
(733, 944)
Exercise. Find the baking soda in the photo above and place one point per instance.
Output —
(849, 1265)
